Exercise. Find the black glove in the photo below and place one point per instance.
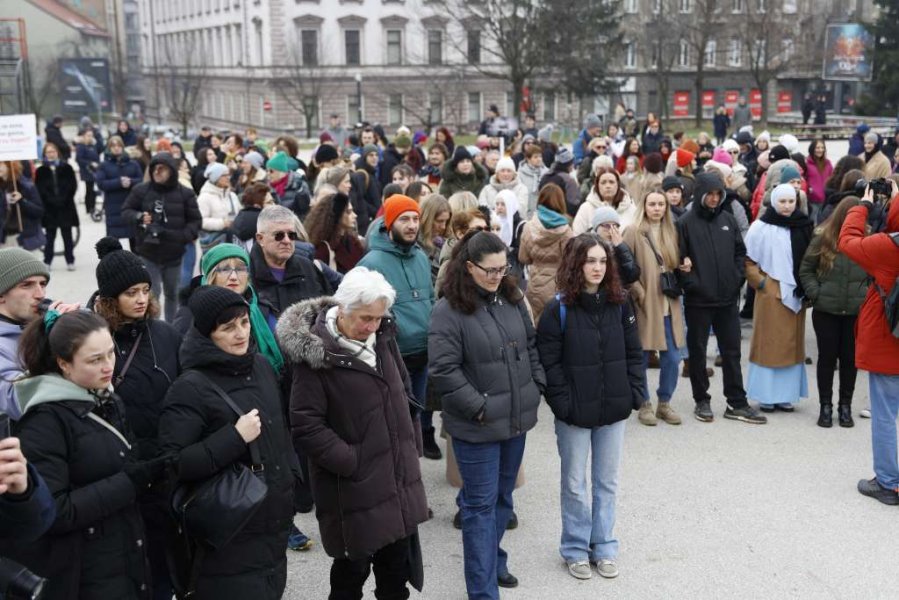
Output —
(145, 472)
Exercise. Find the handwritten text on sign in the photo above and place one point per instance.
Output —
(18, 137)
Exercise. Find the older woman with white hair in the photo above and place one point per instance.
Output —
(351, 412)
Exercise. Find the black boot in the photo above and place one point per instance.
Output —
(845, 413)
(432, 450)
(825, 419)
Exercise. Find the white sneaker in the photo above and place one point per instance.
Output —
(607, 568)
(580, 570)
(70, 267)
(865, 413)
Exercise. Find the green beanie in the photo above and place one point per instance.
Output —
(217, 254)
(279, 162)
(17, 265)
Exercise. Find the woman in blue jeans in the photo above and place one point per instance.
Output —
(483, 361)
(590, 349)
(660, 317)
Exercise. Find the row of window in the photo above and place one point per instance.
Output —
(734, 55)
(736, 6)
(310, 50)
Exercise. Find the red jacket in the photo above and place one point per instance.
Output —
(876, 350)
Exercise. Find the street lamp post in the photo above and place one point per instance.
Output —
(359, 96)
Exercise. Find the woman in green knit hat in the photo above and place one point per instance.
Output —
(227, 266)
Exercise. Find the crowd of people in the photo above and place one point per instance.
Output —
(283, 329)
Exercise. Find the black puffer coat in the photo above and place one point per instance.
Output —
(594, 368)
(32, 209)
(711, 239)
(355, 426)
(302, 280)
(199, 426)
(181, 220)
(95, 548)
(109, 179)
(485, 361)
(57, 192)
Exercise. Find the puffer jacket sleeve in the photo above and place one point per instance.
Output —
(309, 425)
(32, 206)
(808, 268)
(550, 341)
(27, 516)
(634, 352)
(537, 372)
(445, 363)
(181, 429)
(44, 444)
(133, 207)
(627, 264)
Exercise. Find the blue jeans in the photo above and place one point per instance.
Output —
(669, 361)
(884, 391)
(488, 478)
(188, 262)
(587, 529)
(164, 278)
(419, 380)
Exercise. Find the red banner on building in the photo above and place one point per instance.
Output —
(730, 101)
(681, 104)
(755, 103)
(784, 101)
(708, 99)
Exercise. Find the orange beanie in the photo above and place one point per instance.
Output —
(397, 205)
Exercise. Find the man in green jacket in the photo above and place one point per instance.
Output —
(394, 252)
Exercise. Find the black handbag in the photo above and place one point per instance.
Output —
(667, 280)
(213, 511)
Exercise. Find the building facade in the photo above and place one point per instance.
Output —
(285, 65)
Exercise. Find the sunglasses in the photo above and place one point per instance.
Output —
(279, 235)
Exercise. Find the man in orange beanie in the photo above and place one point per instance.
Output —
(394, 252)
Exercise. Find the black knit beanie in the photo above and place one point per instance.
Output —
(208, 302)
(118, 269)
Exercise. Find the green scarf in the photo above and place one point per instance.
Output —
(265, 339)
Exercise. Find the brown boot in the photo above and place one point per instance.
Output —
(668, 414)
(654, 360)
(646, 415)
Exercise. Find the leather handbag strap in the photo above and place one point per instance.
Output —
(121, 376)
(255, 458)
(654, 251)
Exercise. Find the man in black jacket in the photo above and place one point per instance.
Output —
(711, 244)
(167, 218)
(53, 131)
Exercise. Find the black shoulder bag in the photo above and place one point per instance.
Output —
(213, 511)
(667, 279)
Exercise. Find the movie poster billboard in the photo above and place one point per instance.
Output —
(848, 53)
(84, 86)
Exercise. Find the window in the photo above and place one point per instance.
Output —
(790, 7)
(735, 53)
(435, 107)
(238, 45)
(656, 54)
(395, 109)
(630, 6)
(656, 6)
(683, 56)
(549, 107)
(435, 47)
(738, 6)
(711, 49)
(759, 51)
(762, 6)
(260, 44)
(394, 47)
(309, 47)
(353, 108)
(474, 47)
(788, 49)
(474, 106)
(351, 39)
(686, 6)
(630, 55)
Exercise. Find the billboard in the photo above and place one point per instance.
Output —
(85, 87)
(848, 53)
(681, 104)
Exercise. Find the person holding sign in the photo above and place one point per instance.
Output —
(20, 209)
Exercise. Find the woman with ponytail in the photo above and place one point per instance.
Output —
(74, 431)
(146, 364)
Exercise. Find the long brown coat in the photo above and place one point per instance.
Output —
(778, 334)
(649, 299)
(541, 248)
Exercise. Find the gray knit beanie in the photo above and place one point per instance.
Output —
(16, 265)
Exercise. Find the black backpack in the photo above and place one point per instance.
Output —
(891, 300)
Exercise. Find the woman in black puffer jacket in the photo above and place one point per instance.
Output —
(206, 435)
(589, 346)
(483, 361)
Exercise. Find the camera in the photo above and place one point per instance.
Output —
(154, 228)
(18, 583)
(880, 187)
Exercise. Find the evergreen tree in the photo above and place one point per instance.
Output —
(884, 91)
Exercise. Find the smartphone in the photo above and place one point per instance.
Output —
(4, 427)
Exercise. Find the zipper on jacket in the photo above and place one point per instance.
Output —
(346, 551)
(513, 381)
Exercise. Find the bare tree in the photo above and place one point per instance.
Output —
(659, 43)
(764, 35)
(303, 86)
(698, 28)
(183, 85)
(41, 77)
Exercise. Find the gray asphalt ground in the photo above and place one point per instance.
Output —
(721, 510)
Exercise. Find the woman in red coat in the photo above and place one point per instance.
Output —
(876, 349)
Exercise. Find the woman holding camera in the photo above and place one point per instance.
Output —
(74, 432)
(206, 435)
(656, 295)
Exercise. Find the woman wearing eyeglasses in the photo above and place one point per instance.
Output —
(146, 363)
(483, 361)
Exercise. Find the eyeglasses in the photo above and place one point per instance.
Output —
(227, 271)
(279, 235)
(608, 225)
(495, 272)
